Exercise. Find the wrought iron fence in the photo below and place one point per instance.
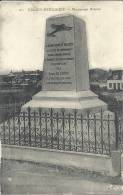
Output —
(63, 129)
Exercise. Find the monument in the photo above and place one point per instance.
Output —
(66, 68)
(58, 116)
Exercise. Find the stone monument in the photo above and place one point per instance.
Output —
(66, 68)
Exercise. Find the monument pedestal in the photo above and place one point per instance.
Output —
(82, 100)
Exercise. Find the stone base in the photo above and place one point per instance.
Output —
(84, 100)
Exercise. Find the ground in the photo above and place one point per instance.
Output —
(29, 178)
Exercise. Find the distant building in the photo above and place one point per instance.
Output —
(16, 88)
(27, 76)
(3, 82)
(115, 82)
(19, 86)
(21, 80)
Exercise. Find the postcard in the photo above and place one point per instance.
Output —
(61, 97)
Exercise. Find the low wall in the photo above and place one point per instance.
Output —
(103, 164)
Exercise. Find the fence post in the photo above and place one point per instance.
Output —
(75, 127)
(18, 128)
(88, 127)
(40, 124)
(57, 120)
(95, 134)
(34, 114)
(13, 117)
(101, 131)
(46, 129)
(29, 124)
(24, 126)
(69, 129)
(63, 126)
(109, 136)
(51, 122)
(117, 130)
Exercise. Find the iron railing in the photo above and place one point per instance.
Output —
(63, 130)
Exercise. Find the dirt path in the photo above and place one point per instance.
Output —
(29, 178)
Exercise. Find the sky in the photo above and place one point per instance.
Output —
(22, 26)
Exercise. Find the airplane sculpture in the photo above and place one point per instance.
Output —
(57, 28)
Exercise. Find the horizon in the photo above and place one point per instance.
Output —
(8, 71)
